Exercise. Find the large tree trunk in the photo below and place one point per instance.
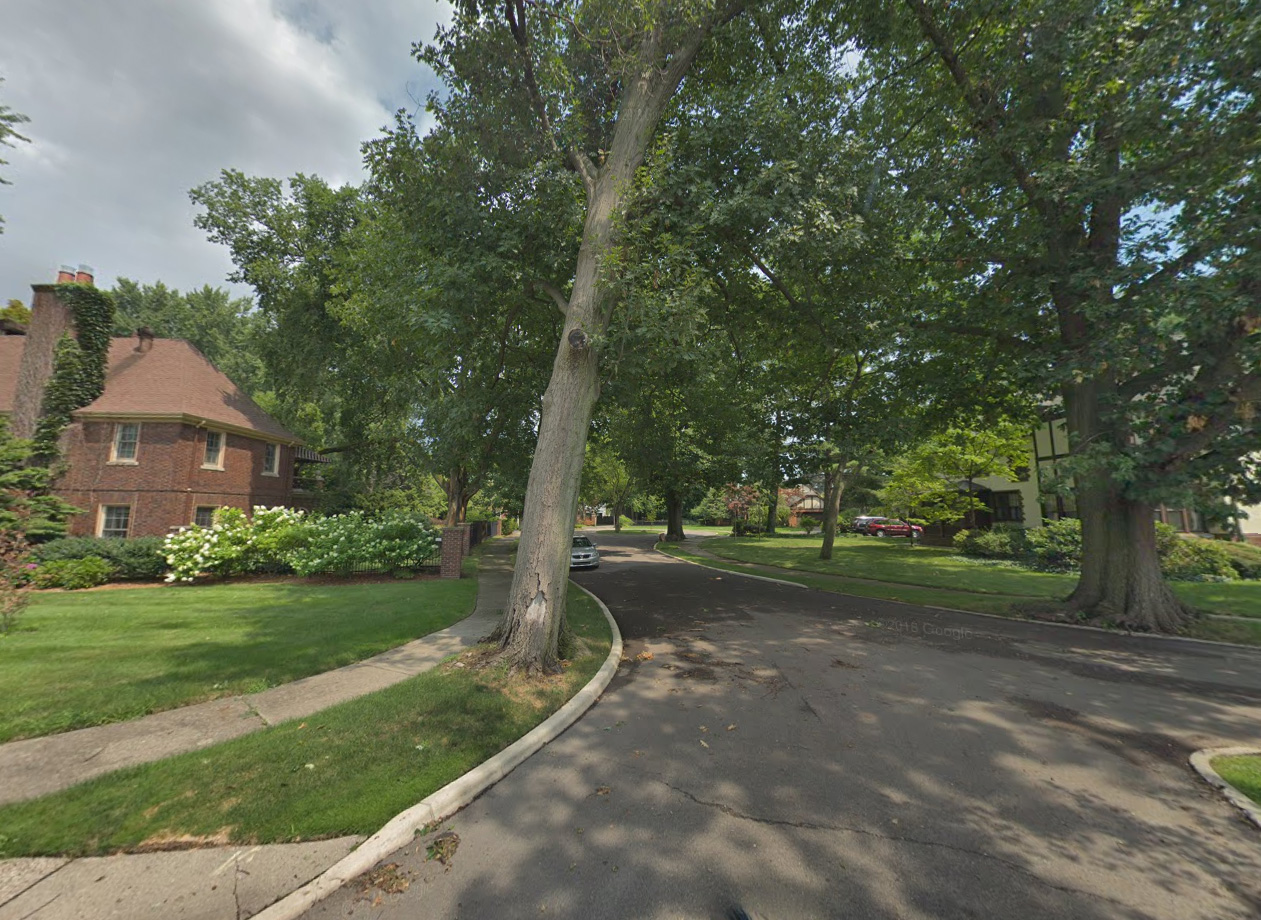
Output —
(457, 501)
(1121, 581)
(535, 612)
(772, 510)
(617, 517)
(833, 488)
(674, 515)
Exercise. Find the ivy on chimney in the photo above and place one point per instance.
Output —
(78, 376)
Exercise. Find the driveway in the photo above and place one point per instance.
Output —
(803, 754)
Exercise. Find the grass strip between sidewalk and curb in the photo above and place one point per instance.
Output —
(81, 659)
(1242, 771)
(427, 816)
(1236, 632)
(346, 770)
(1236, 772)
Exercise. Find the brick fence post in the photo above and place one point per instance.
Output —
(454, 549)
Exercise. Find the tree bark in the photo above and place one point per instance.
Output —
(833, 488)
(457, 501)
(772, 510)
(534, 614)
(1121, 581)
(674, 515)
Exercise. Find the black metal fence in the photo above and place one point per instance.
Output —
(427, 565)
(481, 530)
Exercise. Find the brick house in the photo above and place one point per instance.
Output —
(169, 440)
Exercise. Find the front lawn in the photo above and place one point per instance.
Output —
(80, 659)
(346, 770)
(892, 560)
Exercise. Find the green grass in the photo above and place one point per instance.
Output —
(909, 594)
(687, 529)
(346, 770)
(80, 659)
(927, 575)
(1235, 598)
(1243, 772)
(892, 560)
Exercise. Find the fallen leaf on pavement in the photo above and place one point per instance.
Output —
(443, 847)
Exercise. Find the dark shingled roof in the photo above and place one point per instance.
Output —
(171, 378)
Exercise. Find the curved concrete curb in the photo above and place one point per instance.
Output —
(976, 613)
(401, 829)
(1202, 762)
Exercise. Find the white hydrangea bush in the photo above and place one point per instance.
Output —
(309, 544)
(232, 544)
(346, 542)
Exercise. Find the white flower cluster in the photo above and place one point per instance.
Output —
(276, 537)
(347, 542)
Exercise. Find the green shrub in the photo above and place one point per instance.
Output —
(1244, 558)
(134, 559)
(234, 544)
(509, 526)
(1003, 541)
(624, 521)
(808, 524)
(73, 574)
(280, 539)
(346, 542)
(1055, 546)
(1191, 558)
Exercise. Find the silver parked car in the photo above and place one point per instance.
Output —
(584, 554)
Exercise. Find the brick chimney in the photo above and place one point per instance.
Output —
(50, 320)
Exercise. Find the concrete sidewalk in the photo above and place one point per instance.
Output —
(221, 882)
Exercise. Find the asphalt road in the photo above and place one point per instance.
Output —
(804, 754)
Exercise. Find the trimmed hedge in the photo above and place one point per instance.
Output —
(1057, 547)
(73, 574)
(1244, 558)
(134, 559)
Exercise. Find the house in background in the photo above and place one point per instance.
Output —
(1033, 501)
(802, 502)
(169, 440)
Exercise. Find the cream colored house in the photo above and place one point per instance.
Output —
(1034, 500)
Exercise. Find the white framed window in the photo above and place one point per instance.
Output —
(271, 460)
(114, 521)
(204, 516)
(126, 444)
(213, 459)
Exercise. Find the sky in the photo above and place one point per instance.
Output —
(134, 102)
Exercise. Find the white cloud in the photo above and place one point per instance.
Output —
(132, 103)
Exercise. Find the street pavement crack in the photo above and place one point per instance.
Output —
(41, 907)
(893, 838)
(32, 884)
(236, 886)
(251, 709)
